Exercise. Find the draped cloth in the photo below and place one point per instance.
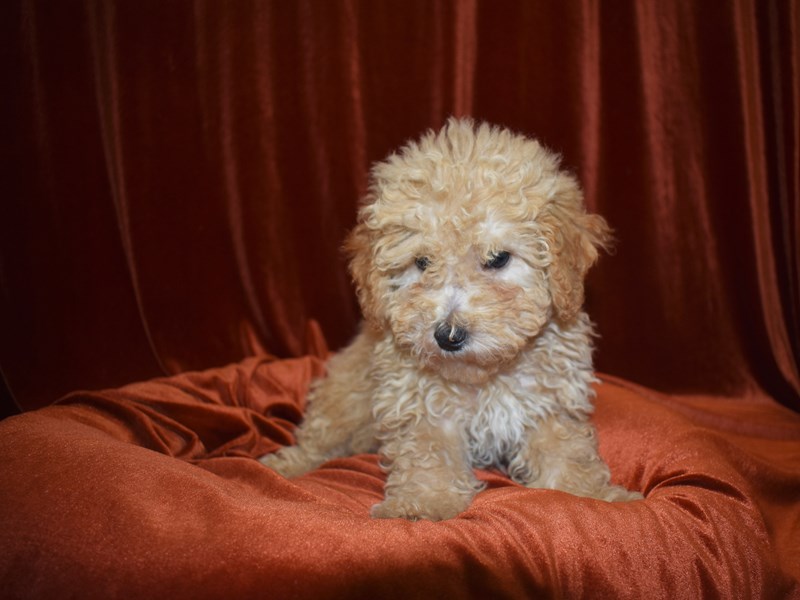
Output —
(179, 177)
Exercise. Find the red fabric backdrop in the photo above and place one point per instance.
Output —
(180, 175)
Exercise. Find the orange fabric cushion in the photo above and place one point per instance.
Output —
(153, 490)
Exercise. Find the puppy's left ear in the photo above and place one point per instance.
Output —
(574, 237)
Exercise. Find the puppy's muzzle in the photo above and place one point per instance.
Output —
(450, 337)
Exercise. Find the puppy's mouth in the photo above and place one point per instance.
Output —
(458, 350)
(455, 358)
(458, 368)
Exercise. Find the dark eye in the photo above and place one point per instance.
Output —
(498, 260)
(422, 262)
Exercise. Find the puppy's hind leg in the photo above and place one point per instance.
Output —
(561, 453)
(338, 420)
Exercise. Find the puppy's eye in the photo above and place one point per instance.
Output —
(498, 260)
(422, 262)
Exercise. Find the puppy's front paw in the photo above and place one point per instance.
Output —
(612, 493)
(290, 461)
(617, 493)
(431, 507)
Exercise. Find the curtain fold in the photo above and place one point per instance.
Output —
(181, 175)
(773, 130)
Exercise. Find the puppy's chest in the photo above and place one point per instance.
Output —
(496, 422)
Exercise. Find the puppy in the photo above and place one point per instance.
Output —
(468, 258)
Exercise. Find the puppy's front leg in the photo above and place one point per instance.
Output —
(430, 476)
(561, 453)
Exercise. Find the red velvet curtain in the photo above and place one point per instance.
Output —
(179, 176)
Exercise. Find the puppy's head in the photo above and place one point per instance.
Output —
(469, 241)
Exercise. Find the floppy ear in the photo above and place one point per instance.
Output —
(358, 247)
(574, 238)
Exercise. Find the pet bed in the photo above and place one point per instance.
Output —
(153, 490)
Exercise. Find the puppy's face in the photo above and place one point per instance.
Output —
(469, 243)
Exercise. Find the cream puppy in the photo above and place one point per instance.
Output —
(468, 258)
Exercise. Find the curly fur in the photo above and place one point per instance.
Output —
(468, 258)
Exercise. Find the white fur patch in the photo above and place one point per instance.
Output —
(406, 277)
(516, 272)
(497, 428)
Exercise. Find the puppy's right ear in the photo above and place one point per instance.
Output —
(358, 247)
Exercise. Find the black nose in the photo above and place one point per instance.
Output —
(450, 337)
